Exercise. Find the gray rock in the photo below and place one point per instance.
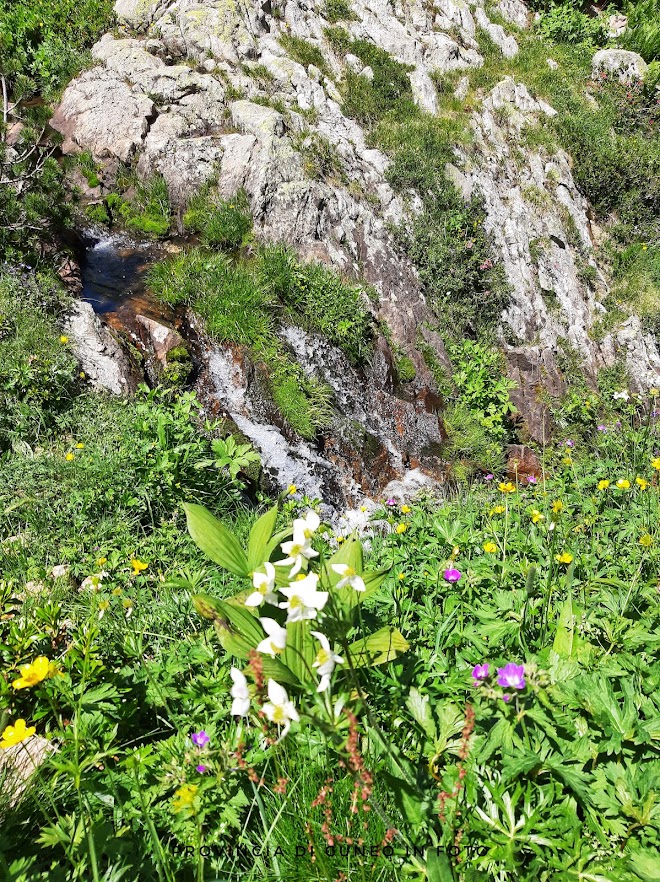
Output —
(101, 357)
(19, 763)
(627, 66)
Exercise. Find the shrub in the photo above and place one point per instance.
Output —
(567, 24)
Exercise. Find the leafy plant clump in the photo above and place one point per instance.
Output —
(221, 223)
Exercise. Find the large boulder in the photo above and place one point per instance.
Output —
(627, 66)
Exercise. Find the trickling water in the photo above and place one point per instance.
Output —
(113, 270)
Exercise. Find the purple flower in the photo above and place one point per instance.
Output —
(200, 739)
(201, 769)
(511, 675)
(569, 443)
(618, 424)
(452, 575)
(531, 479)
(506, 697)
(390, 502)
(489, 477)
(602, 427)
(480, 672)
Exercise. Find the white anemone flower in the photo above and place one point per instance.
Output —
(325, 661)
(279, 709)
(308, 525)
(303, 599)
(349, 577)
(264, 584)
(239, 692)
(276, 640)
(623, 395)
(297, 551)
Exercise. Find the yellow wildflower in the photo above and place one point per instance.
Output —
(116, 592)
(655, 392)
(15, 734)
(82, 375)
(623, 484)
(455, 551)
(340, 539)
(64, 339)
(537, 516)
(646, 540)
(69, 456)
(402, 576)
(498, 509)
(642, 482)
(557, 506)
(80, 446)
(401, 528)
(567, 460)
(33, 673)
(564, 557)
(363, 508)
(101, 561)
(292, 489)
(138, 566)
(656, 463)
(604, 484)
(184, 797)
(490, 547)
(507, 487)
(406, 509)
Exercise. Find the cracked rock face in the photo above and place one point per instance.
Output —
(177, 95)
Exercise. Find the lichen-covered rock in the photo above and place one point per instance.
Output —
(104, 362)
(627, 66)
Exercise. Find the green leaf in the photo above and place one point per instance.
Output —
(378, 648)
(406, 798)
(215, 540)
(260, 536)
(350, 553)
(564, 643)
(300, 650)
(438, 868)
(239, 618)
(645, 864)
(418, 705)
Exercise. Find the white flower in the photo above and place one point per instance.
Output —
(623, 395)
(298, 550)
(276, 640)
(239, 692)
(325, 660)
(349, 577)
(308, 525)
(279, 709)
(264, 583)
(95, 582)
(304, 600)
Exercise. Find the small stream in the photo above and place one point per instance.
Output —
(113, 269)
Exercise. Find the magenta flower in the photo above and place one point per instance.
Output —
(200, 739)
(511, 675)
(569, 443)
(201, 769)
(531, 479)
(489, 477)
(480, 672)
(506, 697)
(602, 427)
(452, 575)
(391, 502)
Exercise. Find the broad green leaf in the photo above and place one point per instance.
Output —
(350, 553)
(260, 536)
(564, 643)
(418, 705)
(438, 868)
(407, 798)
(300, 650)
(378, 648)
(645, 864)
(215, 540)
(239, 618)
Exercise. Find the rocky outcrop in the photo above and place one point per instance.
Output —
(102, 358)
(196, 91)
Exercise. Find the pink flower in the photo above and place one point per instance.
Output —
(512, 676)
(201, 769)
(452, 575)
(531, 479)
(489, 477)
(200, 739)
(480, 672)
